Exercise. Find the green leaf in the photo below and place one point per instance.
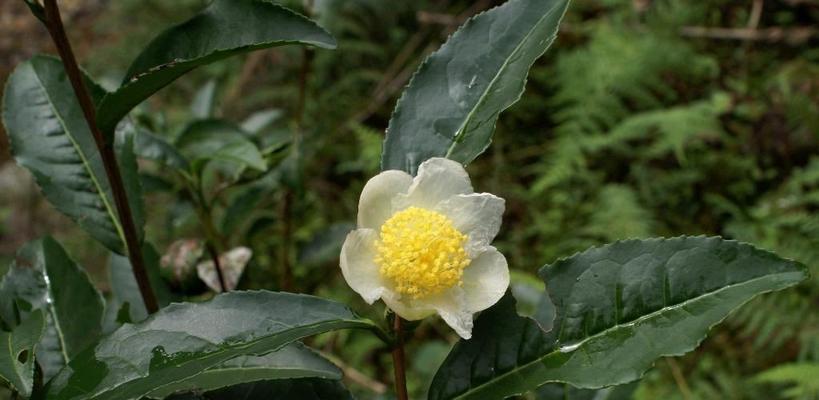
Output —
(203, 101)
(214, 139)
(562, 391)
(152, 147)
(44, 276)
(184, 340)
(124, 145)
(293, 361)
(452, 103)
(280, 389)
(325, 245)
(36, 9)
(223, 29)
(16, 352)
(50, 137)
(625, 304)
(532, 300)
(238, 212)
(124, 286)
(799, 378)
(260, 120)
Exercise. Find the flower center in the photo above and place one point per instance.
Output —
(421, 252)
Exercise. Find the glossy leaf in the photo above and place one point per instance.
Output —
(50, 137)
(293, 361)
(452, 103)
(214, 139)
(184, 340)
(44, 276)
(619, 308)
(280, 389)
(223, 29)
(17, 352)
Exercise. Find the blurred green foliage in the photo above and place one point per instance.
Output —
(631, 126)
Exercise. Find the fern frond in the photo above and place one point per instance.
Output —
(803, 379)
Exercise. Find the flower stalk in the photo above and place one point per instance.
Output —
(398, 360)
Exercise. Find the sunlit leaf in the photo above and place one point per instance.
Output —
(452, 103)
(619, 308)
(183, 340)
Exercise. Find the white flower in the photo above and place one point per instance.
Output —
(423, 245)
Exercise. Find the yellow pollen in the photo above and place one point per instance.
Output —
(421, 252)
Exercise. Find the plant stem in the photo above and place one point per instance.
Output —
(304, 74)
(213, 239)
(286, 283)
(55, 28)
(398, 360)
(218, 266)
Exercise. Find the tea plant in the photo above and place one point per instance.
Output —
(422, 242)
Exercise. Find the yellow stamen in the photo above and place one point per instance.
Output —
(421, 252)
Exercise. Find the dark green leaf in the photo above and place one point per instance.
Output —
(281, 389)
(153, 147)
(241, 207)
(44, 276)
(36, 9)
(451, 104)
(293, 361)
(16, 352)
(156, 184)
(129, 169)
(50, 137)
(218, 140)
(562, 391)
(124, 314)
(223, 29)
(183, 340)
(124, 286)
(325, 245)
(619, 308)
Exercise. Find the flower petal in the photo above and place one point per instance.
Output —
(452, 308)
(485, 280)
(376, 203)
(408, 309)
(438, 179)
(477, 215)
(358, 264)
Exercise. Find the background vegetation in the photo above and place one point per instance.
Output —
(642, 120)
